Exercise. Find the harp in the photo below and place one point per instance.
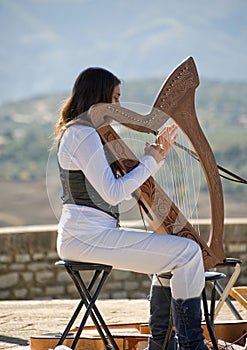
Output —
(176, 99)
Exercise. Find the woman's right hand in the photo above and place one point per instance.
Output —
(155, 150)
(164, 142)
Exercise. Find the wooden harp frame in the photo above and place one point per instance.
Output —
(175, 99)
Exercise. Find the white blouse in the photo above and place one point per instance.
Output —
(81, 149)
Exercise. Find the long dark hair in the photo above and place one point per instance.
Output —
(92, 86)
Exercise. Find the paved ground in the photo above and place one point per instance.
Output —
(19, 320)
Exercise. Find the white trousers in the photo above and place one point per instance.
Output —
(83, 237)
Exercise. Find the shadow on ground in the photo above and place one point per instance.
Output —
(13, 340)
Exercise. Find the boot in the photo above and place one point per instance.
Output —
(159, 321)
(187, 317)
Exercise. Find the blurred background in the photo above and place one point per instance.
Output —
(46, 43)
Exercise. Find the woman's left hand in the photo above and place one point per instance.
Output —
(167, 137)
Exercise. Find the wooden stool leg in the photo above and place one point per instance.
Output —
(225, 292)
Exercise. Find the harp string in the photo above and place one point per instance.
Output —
(179, 176)
(183, 181)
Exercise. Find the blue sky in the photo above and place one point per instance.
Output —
(46, 43)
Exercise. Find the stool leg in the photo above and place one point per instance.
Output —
(92, 310)
(86, 300)
(71, 322)
(80, 305)
(212, 304)
(227, 300)
(208, 321)
(224, 292)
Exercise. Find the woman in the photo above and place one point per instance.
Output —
(88, 229)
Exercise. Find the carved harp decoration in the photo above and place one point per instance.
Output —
(175, 99)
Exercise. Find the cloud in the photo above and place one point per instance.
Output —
(41, 36)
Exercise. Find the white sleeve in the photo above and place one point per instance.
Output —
(86, 152)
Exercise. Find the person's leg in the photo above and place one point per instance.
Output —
(186, 307)
(160, 321)
(187, 319)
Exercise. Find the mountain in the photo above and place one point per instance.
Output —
(46, 43)
(28, 160)
(29, 182)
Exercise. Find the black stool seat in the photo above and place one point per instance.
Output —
(213, 276)
(77, 265)
(89, 293)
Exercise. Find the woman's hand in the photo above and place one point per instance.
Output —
(164, 142)
(155, 150)
(167, 136)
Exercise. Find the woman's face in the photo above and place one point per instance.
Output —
(116, 94)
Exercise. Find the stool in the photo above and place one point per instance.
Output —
(212, 277)
(89, 294)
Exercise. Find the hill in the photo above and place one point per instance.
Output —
(26, 139)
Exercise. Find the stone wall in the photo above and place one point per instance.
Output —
(28, 254)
